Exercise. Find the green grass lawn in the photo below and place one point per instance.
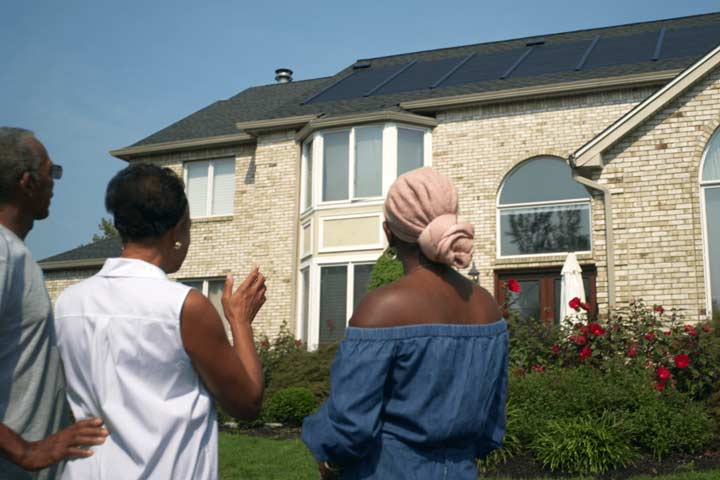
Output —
(243, 457)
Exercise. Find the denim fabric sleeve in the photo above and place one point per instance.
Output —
(348, 423)
(493, 433)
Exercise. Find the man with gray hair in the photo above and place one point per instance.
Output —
(32, 385)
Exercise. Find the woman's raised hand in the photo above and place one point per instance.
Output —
(244, 303)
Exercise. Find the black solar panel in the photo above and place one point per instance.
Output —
(689, 42)
(551, 59)
(357, 84)
(622, 50)
(419, 76)
(543, 57)
(482, 68)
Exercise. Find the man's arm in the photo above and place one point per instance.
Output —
(67, 443)
(233, 373)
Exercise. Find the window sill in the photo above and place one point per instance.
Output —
(218, 218)
(540, 259)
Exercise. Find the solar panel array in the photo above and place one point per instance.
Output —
(538, 59)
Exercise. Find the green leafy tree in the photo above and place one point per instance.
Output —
(386, 270)
(107, 230)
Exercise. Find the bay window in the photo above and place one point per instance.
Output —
(359, 163)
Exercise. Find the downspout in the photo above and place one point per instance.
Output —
(609, 239)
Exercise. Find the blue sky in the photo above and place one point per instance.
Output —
(90, 76)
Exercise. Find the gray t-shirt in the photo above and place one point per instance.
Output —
(32, 384)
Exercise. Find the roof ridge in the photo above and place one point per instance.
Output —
(508, 40)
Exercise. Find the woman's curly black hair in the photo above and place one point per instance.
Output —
(146, 201)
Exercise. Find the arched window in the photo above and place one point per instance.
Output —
(542, 210)
(710, 192)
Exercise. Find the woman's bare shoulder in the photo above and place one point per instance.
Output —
(383, 307)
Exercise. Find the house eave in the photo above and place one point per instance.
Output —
(525, 93)
(129, 153)
(362, 118)
(284, 123)
(72, 264)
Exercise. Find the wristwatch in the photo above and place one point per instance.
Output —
(332, 468)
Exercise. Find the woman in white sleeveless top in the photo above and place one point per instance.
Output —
(147, 354)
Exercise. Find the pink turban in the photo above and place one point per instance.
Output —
(421, 207)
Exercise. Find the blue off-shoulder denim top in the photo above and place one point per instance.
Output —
(421, 401)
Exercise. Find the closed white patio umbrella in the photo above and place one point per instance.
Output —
(572, 286)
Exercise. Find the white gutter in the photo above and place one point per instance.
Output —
(609, 237)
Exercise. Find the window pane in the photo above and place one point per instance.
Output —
(196, 284)
(223, 186)
(543, 179)
(305, 303)
(528, 300)
(360, 282)
(712, 217)
(308, 175)
(333, 304)
(711, 168)
(561, 228)
(197, 183)
(410, 150)
(368, 161)
(335, 166)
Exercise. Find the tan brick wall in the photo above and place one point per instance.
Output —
(654, 174)
(58, 280)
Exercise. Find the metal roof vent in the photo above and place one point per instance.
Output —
(535, 42)
(283, 75)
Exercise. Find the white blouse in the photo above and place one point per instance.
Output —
(119, 337)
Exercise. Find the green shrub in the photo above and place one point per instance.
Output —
(290, 406)
(386, 270)
(587, 444)
(655, 422)
(301, 368)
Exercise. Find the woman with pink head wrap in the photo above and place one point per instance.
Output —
(419, 384)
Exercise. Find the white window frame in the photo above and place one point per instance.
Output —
(314, 265)
(706, 185)
(371, 246)
(388, 170)
(516, 206)
(210, 184)
(306, 224)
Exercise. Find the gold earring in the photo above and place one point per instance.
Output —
(177, 245)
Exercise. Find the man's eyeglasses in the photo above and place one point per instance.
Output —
(56, 171)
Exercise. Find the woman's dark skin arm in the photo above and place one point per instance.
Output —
(65, 444)
(233, 373)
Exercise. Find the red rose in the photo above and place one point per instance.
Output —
(538, 368)
(596, 329)
(514, 286)
(574, 303)
(298, 343)
(667, 333)
(578, 339)
(682, 361)
(585, 306)
(649, 336)
(707, 328)
(555, 349)
(265, 344)
(616, 328)
(585, 353)
(659, 309)
(690, 330)
(633, 350)
(660, 386)
(583, 329)
(663, 374)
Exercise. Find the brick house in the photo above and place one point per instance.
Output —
(601, 142)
